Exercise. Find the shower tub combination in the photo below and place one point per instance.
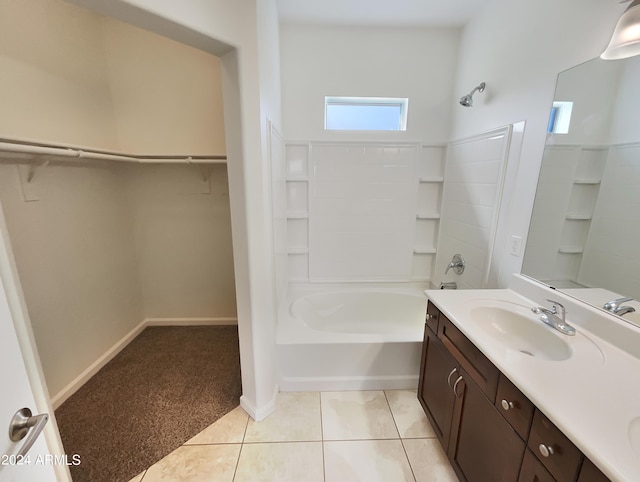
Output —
(351, 337)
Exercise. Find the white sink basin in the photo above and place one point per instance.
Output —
(517, 328)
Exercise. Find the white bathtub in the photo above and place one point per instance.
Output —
(351, 337)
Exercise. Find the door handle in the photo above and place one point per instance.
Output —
(24, 422)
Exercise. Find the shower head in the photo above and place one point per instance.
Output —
(467, 100)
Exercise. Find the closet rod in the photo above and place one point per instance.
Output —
(78, 153)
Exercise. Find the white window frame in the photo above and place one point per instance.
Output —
(401, 102)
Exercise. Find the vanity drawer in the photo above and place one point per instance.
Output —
(433, 314)
(478, 366)
(556, 452)
(514, 406)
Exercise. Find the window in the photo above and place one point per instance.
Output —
(560, 117)
(365, 114)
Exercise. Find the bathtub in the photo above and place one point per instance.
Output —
(350, 337)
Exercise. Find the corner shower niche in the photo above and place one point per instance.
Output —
(362, 211)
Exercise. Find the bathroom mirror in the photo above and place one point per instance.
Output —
(584, 237)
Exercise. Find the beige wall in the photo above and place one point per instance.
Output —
(77, 263)
(54, 84)
(84, 79)
(167, 97)
(182, 235)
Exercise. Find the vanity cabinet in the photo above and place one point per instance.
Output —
(489, 430)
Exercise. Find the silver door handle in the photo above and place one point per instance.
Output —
(24, 422)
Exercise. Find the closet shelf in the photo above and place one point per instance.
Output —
(27, 150)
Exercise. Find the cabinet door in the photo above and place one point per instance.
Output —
(483, 446)
(435, 392)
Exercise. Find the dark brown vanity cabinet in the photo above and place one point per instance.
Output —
(490, 431)
(454, 381)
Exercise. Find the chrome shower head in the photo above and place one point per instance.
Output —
(467, 100)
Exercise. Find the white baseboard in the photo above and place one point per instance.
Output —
(260, 413)
(191, 321)
(331, 384)
(60, 397)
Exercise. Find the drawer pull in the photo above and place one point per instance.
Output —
(507, 405)
(546, 450)
(449, 377)
(455, 387)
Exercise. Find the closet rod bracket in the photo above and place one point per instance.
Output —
(33, 169)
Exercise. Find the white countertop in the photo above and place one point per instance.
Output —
(593, 396)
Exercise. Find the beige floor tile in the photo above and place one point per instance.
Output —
(408, 414)
(296, 418)
(226, 430)
(281, 462)
(428, 461)
(356, 415)
(196, 463)
(366, 461)
(138, 477)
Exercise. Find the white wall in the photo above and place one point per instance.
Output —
(371, 62)
(518, 48)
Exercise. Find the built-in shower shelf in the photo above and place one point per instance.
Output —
(297, 215)
(587, 181)
(570, 250)
(297, 178)
(578, 217)
(424, 250)
(432, 179)
(427, 216)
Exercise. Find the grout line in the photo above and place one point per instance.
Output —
(144, 473)
(400, 437)
(235, 470)
(324, 469)
(395, 424)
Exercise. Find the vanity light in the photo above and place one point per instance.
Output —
(625, 41)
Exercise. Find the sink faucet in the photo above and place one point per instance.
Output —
(614, 306)
(555, 317)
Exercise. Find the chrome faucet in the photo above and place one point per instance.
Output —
(457, 263)
(614, 306)
(555, 317)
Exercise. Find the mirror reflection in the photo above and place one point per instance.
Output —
(584, 236)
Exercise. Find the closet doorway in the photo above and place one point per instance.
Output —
(134, 230)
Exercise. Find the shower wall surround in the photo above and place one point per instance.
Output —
(362, 211)
(473, 184)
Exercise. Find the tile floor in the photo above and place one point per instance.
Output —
(315, 436)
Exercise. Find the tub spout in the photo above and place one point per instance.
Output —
(451, 285)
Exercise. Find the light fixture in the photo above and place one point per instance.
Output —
(625, 41)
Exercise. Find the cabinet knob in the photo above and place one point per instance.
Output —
(428, 317)
(507, 405)
(546, 450)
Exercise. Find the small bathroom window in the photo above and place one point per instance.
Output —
(560, 118)
(365, 114)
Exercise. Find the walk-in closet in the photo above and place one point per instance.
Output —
(114, 189)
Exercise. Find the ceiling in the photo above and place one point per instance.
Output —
(380, 12)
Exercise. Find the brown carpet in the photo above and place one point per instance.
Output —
(166, 386)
